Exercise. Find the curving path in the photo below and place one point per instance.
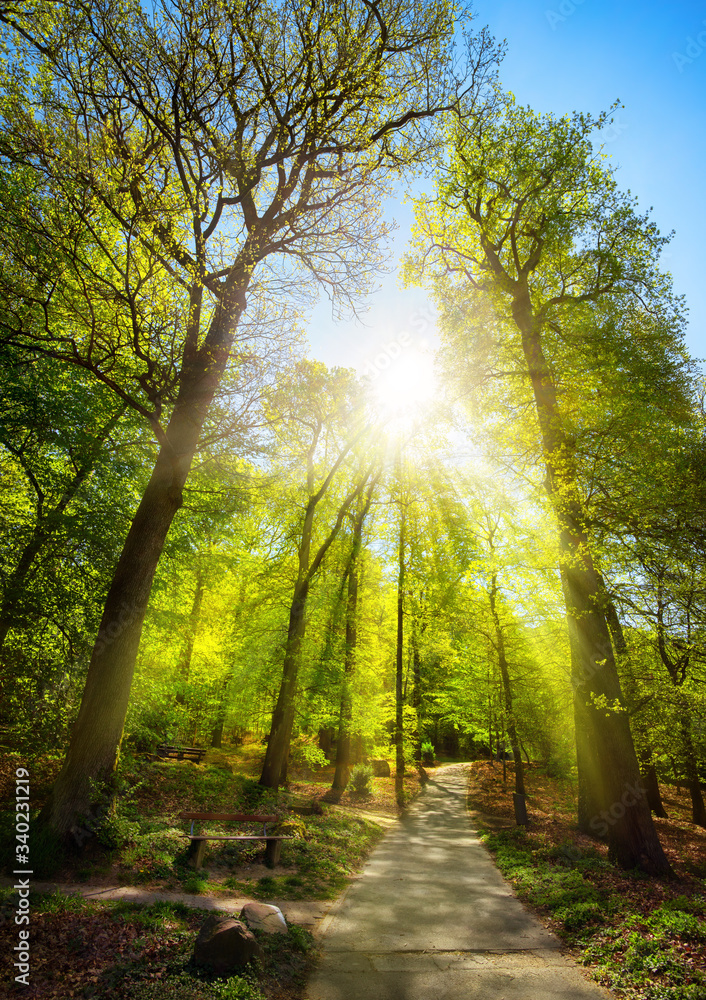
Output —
(431, 918)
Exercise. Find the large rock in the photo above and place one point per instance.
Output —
(225, 944)
(264, 917)
(381, 769)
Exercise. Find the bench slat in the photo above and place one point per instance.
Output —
(168, 746)
(230, 817)
(197, 836)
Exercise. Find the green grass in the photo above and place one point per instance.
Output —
(653, 956)
(324, 852)
(334, 848)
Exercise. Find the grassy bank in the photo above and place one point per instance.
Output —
(143, 841)
(644, 938)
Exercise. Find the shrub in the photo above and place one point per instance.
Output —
(579, 915)
(361, 778)
(117, 830)
(291, 826)
(236, 988)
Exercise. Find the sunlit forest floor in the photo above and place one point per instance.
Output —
(641, 937)
(145, 843)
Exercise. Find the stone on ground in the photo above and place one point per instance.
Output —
(225, 945)
(264, 917)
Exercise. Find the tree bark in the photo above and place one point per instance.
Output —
(399, 665)
(343, 745)
(610, 760)
(651, 783)
(274, 770)
(645, 756)
(97, 732)
(417, 695)
(691, 770)
(507, 691)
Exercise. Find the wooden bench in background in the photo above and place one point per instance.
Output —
(167, 752)
(197, 847)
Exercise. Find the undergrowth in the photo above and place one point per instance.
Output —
(651, 954)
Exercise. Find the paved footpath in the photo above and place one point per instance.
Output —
(431, 918)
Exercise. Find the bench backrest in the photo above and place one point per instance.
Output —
(230, 817)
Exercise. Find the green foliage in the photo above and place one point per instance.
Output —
(305, 752)
(48, 851)
(302, 939)
(566, 894)
(58, 902)
(361, 780)
(117, 830)
(292, 826)
(237, 988)
(195, 883)
(156, 916)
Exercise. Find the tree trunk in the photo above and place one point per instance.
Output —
(651, 783)
(520, 813)
(97, 732)
(610, 758)
(691, 770)
(274, 769)
(343, 745)
(417, 695)
(648, 771)
(184, 666)
(399, 664)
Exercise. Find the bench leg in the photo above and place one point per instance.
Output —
(273, 849)
(197, 849)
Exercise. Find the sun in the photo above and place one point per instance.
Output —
(406, 386)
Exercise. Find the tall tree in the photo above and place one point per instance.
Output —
(529, 223)
(322, 413)
(400, 646)
(491, 527)
(353, 568)
(217, 149)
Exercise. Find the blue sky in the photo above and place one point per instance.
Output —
(563, 56)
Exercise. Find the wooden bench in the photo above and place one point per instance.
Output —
(197, 847)
(166, 751)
